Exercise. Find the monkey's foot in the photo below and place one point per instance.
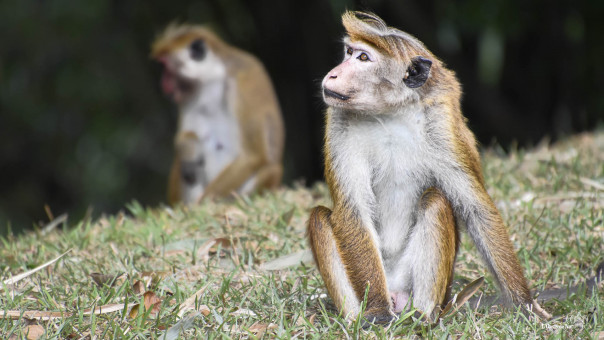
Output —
(377, 319)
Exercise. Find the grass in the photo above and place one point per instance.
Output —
(209, 258)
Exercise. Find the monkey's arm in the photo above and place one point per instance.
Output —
(233, 176)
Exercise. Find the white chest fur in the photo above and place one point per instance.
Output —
(384, 163)
(210, 115)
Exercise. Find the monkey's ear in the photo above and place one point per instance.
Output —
(418, 72)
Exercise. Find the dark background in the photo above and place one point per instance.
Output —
(83, 122)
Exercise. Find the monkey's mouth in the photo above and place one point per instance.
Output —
(175, 86)
(333, 94)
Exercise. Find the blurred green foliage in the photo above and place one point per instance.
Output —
(83, 123)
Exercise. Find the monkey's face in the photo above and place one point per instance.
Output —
(189, 66)
(369, 81)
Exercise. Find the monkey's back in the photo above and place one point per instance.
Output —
(257, 101)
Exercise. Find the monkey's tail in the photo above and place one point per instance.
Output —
(587, 287)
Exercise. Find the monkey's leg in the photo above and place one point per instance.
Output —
(269, 176)
(329, 262)
(431, 252)
(349, 261)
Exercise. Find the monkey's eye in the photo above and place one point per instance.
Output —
(349, 51)
(412, 72)
(363, 57)
(197, 50)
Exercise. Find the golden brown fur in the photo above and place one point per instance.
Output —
(256, 110)
(427, 160)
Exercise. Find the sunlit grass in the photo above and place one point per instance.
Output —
(551, 199)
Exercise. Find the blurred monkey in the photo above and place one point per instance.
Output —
(230, 134)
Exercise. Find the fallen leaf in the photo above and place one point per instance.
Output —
(462, 297)
(243, 311)
(138, 287)
(205, 310)
(32, 314)
(217, 316)
(189, 303)
(211, 247)
(33, 332)
(113, 247)
(301, 321)
(592, 183)
(134, 311)
(203, 248)
(21, 276)
(222, 242)
(203, 252)
(184, 245)
(150, 302)
(109, 308)
(44, 315)
(312, 319)
(106, 280)
(235, 216)
(53, 224)
(182, 325)
(259, 328)
(285, 219)
(174, 252)
(289, 260)
(154, 277)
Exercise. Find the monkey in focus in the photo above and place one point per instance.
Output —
(230, 134)
(404, 176)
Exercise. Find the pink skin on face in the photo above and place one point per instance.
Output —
(169, 81)
(337, 75)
